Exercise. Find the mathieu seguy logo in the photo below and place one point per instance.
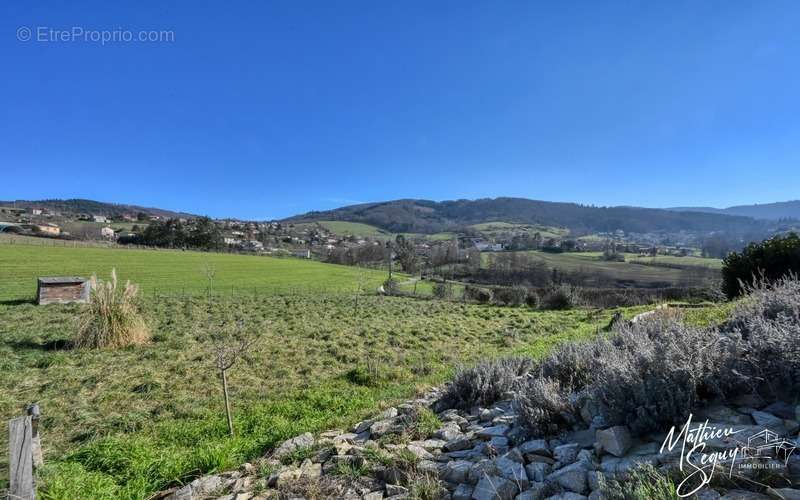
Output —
(703, 447)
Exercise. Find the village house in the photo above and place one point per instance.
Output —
(253, 245)
(303, 254)
(107, 233)
(48, 229)
(100, 218)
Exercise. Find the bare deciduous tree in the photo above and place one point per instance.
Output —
(210, 272)
(230, 343)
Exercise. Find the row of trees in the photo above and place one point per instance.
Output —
(202, 233)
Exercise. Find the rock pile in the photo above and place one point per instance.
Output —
(481, 454)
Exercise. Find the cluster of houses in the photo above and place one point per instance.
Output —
(309, 240)
(48, 223)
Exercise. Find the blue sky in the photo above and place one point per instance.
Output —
(267, 109)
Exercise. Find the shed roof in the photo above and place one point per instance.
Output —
(62, 280)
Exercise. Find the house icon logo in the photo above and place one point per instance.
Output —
(768, 445)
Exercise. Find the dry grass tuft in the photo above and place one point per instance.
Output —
(112, 318)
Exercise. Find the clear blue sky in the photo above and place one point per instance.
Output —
(267, 109)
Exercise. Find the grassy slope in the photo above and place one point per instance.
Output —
(167, 271)
(121, 424)
(492, 229)
(676, 261)
(353, 228)
(634, 268)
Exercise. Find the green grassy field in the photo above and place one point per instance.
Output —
(673, 260)
(174, 271)
(493, 229)
(343, 228)
(634, 269)
(124, 423)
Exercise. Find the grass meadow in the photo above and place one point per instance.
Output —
(128, 422)
(175, 271)
(663, 270)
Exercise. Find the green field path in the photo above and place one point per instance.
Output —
(175, 271)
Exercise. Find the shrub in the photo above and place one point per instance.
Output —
(771, 259)
(561, 297)
(111, 319)
(764, 329)
(544, 406)
(486, 383)
(571, 364)
(440, 290)
(644, 483)
(391, 287)
(533, 300)
(652, 373)
(513, 296)
(476, 294)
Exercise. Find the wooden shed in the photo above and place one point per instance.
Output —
(62, 290)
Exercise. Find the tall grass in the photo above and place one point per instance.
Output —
(112, 317)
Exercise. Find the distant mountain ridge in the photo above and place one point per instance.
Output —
(77, 206)
(767, 211)
(425, 216)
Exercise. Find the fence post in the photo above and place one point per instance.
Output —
(36, 443)
(20, 463)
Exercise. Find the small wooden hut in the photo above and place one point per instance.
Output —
(62, 290)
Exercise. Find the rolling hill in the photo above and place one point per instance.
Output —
(767, 211)
(81, 206)
(425, 216)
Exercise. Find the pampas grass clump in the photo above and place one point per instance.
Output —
(111, 319)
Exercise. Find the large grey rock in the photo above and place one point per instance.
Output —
(619, 468)
(721, 413)
(536, 446)
(310, 470)
(567, 496)
(430, 444)
(494, 488)
(572, 477)
(419, 452)
(615, 440)
(566, 453)
(456, 471)
(782, 410)
(482, 468)
(584, 438)
(538, 471)
(513, 471)
(462, 492)
(449, 432)
(595, 480)
(384, 427)
(535, 492)
(743, 495)
(458, 444)
(784, 493)
(515, 455)
(765, 419)
(707, 494)
(493, 431)
(394, 490)
(297, 442)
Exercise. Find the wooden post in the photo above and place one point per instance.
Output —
(20, 465)
(227, 401)
(36, 443)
